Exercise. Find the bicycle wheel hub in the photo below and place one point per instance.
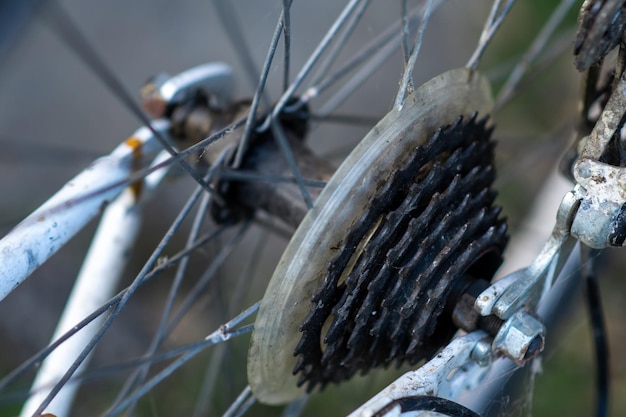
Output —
(406, 220)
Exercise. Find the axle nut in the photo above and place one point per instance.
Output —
(520, 338)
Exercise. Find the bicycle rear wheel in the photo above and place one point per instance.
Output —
(136, 61)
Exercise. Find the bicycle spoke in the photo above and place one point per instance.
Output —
(38, 357)
(268, 224)
(362, 74)
(313, 59)
(181, 271)
(42, 354)
(492, 24)
(242, 288)
(47, 229)
(133, 364)
(140, 174)
(241, 175)
(535, 49)
(405, 30)
(406, 83)
(99, 191)
(206, 278)
(113, 370)
(245, 407)
(224, 333)
(243, 402)
(61, 23)
(385, 40)
(218, 337)
(560, 45)
(230, 25)
(124, 299)
(281, 139)
(96, 281)
(353, 120)
(286, 17)
(370, 58)
(340, 41)
(296, 407)
(141, 373)
(231, 228)
(251, 119)
(333, 48)
(209, 384)
(166, 328)
(551, 146)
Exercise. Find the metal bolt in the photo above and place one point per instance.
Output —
(600, 220)
(491, 324)
(481, 353)
(600, 224)
(520, 338)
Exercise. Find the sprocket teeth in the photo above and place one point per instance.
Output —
(432, 223)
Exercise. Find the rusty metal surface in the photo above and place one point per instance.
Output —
(384, 296)
(273, 192)
(601, 29)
